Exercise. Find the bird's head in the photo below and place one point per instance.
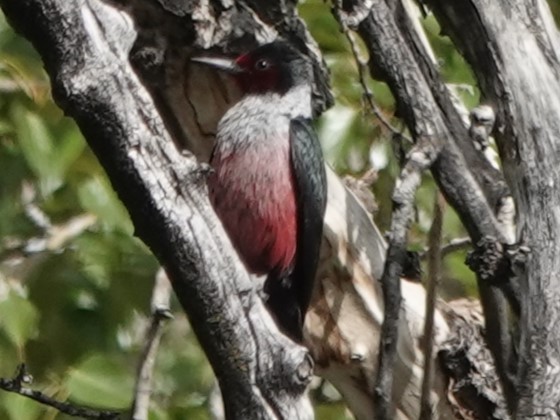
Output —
(275, 67)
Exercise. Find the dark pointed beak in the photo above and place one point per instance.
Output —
(224, 64)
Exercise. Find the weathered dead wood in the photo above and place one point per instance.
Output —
(343, 326)
(432, 283)
(473, 386)
(86, 46)
(467, 180)
(514, 50)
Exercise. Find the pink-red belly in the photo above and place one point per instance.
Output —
(255, 201)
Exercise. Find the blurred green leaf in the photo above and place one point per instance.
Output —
(69, 148)
(555, 7)
(37, 146)
(5, 128)
(157, 413)
(97, 196)
(16, 407)
(18, 319)
(332, 411)
(100, 381)
(460, 280)
(322, 25)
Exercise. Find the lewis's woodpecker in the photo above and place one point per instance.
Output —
(268, 184)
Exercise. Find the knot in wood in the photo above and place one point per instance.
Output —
(518, 255)
(355, 14)
(290, 371)
(163, 313)
(488, 260)
(495, 261)
(22, 377)
(148, 60)
(304, 371)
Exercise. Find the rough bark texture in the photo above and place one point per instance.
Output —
(467, 180)
(152, 127)
(472, 379)
(514, 50)
(85, 47)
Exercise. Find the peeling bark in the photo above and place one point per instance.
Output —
(472, 379)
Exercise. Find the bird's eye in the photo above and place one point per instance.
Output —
(262, 64)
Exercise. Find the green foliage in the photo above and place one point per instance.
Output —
(555, 7)
(99, 381)
(18, 320)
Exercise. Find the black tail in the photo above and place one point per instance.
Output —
(283, 303)
(289, 295)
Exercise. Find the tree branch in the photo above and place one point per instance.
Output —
(432, 280)
(22, 378)
(425, 104)
(361, 65)
(421, 158)
(473, 386)
(161, 296)
(85, 46)
(496, 42)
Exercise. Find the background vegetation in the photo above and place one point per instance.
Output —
(75, 284)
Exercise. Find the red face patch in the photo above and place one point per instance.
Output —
(260, 74)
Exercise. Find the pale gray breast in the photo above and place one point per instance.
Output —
(262, 119)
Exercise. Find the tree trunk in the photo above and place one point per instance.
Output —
(85, 46)
(514, 50)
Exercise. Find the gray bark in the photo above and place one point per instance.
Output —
(468, 181)
(85, 47)
(514, 50)
(473, 385)
(152, 128)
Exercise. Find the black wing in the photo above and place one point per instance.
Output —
(289, 297)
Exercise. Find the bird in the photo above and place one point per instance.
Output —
(267, 182)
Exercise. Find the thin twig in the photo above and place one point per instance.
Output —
(161, 295)
(216, 403)
(33, 212)
(22, 378)
(434, 265)
(421, 158)
(361, 64)
(424, 152)
(453, 245)
(52, 239)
